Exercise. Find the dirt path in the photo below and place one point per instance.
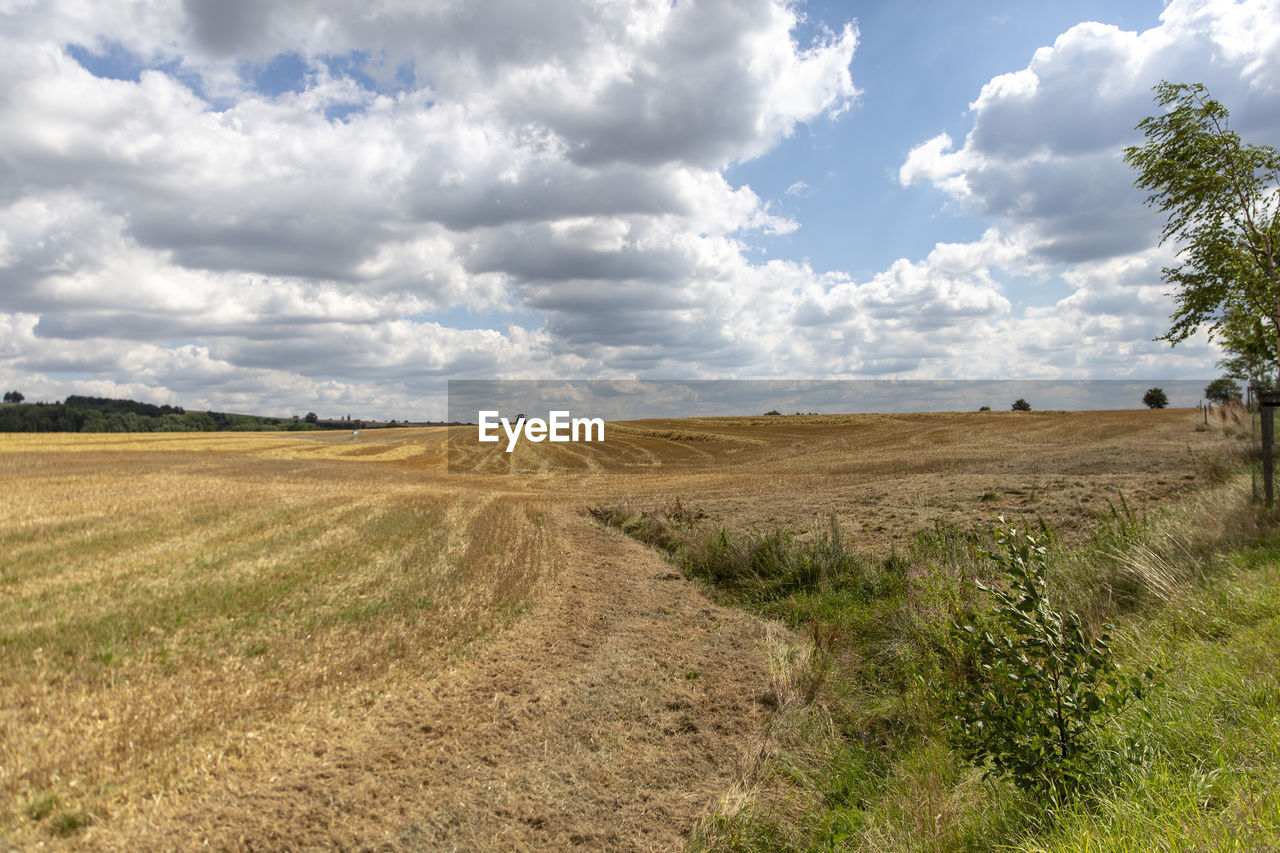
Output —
(612, 716)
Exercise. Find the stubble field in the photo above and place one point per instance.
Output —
(325, 640)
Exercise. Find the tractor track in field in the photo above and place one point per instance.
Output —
(614, 715)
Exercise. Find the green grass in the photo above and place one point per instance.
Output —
(859, 756)
(1212, 780)
(69, 823)
(42, 806)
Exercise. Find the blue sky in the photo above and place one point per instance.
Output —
(294, 207)
(919, 65)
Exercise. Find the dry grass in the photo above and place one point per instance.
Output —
(169, 603)
(1178, 549)
(189, 613)
(883, 477)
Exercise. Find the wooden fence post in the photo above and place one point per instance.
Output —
(1269, 400)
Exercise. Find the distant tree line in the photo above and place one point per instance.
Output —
(103, 414)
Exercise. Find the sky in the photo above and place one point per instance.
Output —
(311, 205)
(636, 399)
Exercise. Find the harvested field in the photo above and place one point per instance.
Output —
(885, 476)
(290, 640)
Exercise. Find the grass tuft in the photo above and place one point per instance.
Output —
(41, 807)
(69, 823)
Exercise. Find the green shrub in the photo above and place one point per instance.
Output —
(1042, 687)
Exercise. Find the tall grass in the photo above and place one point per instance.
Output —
(858, 754)
(1131, 563)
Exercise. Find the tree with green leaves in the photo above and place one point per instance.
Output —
(1021, 405)
(1222, 390)
(1155, 398)
(1220, 196)
(1250, 348)
(14, 397)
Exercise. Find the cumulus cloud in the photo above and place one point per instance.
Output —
(1044, 150)
(301, 187)
(1043, 161)
(261, 205)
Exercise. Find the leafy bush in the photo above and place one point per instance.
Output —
(1222, 390)
(1043, 685)
(1021, 405)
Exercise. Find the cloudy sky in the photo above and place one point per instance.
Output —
(330, 206)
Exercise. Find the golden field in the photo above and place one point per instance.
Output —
(288, 640)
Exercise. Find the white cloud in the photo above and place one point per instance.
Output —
(498, 158)
(1043, 160)
(1044, 151)
(555, 172)
(933, 160)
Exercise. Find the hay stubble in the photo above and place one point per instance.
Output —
(328, 640)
